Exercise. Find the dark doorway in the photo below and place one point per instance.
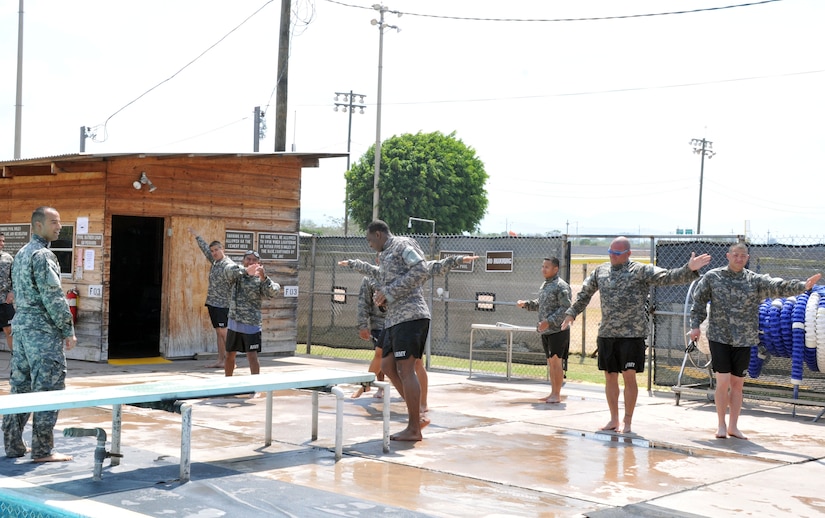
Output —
(136, 273)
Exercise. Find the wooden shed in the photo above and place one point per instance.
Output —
(125, 247)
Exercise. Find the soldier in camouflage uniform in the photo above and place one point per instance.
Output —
(370, 325)
(435, 268)
(250, 285)
(6, 293)
(735, 294)
(41, 327)
(218, 292)
(624, 286)
(552, 302)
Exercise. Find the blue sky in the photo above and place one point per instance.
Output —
(583, 125)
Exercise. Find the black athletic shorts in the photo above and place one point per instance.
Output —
(6, 314)
(726, 359)
(375, 335)
(621, 354)
(407, 339)
(243, 342)
(218, 316)
(556, 344)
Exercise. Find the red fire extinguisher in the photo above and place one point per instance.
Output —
(71, 297)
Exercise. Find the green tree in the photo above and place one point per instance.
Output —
(426, 175)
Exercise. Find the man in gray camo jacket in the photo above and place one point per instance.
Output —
(250, 285)
(401, 273)
(41, 328)
(217, 293)
(735, 294)
(552, 302)
(435, 268)
(624, 286)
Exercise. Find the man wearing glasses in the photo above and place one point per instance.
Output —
(624, 286)
(250, 285)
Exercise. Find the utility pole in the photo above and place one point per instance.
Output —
(85, 132)
(381, 26)
(347, 107)
(283, 78)
(705, 148)
(259, 129)
(18, 104)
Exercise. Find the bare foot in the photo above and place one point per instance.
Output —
(217, 365)
(425, 421)
(612, 426)
(551, 399)
(358, 392)
(626, 428)
(722, 432)
(734, 432)
(406, 435)
(379, 394)
(54, 457)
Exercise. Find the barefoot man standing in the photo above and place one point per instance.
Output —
(217, 294)
(402, 271)
(624, 286)
(735, 294)
(41, 327)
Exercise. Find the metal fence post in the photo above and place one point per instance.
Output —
(311, 294)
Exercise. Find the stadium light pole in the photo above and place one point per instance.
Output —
(705, 148)
(348, 106)
(381, 26)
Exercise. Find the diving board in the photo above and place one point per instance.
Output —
(174, 393)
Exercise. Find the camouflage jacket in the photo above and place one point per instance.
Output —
(401, 282)
(552, 302)
(38, 292)
(6, 260)
(434, 268)
(623, 290)
(369, 315)
(402, 272)
(247, 293)
(734, 303)
(219, 290)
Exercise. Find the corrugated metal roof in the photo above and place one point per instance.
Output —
(93, 157)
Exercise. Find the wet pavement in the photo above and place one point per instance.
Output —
(492, 450)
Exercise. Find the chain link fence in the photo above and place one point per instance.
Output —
(509, 269)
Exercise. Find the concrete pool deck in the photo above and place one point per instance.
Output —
(492, 450)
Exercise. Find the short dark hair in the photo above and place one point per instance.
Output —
(554, 260)
(39, 214)
(215, 243)
(378, 226)
(740, 245)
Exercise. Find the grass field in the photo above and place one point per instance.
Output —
(579, 369)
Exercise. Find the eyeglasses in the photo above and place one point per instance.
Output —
(616, 252)
(252, 252)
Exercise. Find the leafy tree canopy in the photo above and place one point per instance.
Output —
(426, 175)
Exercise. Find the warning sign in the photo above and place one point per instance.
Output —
(499, 261)
(280, 247)
(238, 240)
(16, 237)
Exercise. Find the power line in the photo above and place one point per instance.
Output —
(105, 132)
(597, 92)
(584, 19)
(201, 134)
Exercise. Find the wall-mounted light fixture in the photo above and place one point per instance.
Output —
(144, 180)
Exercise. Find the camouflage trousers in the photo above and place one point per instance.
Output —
(38, 364)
